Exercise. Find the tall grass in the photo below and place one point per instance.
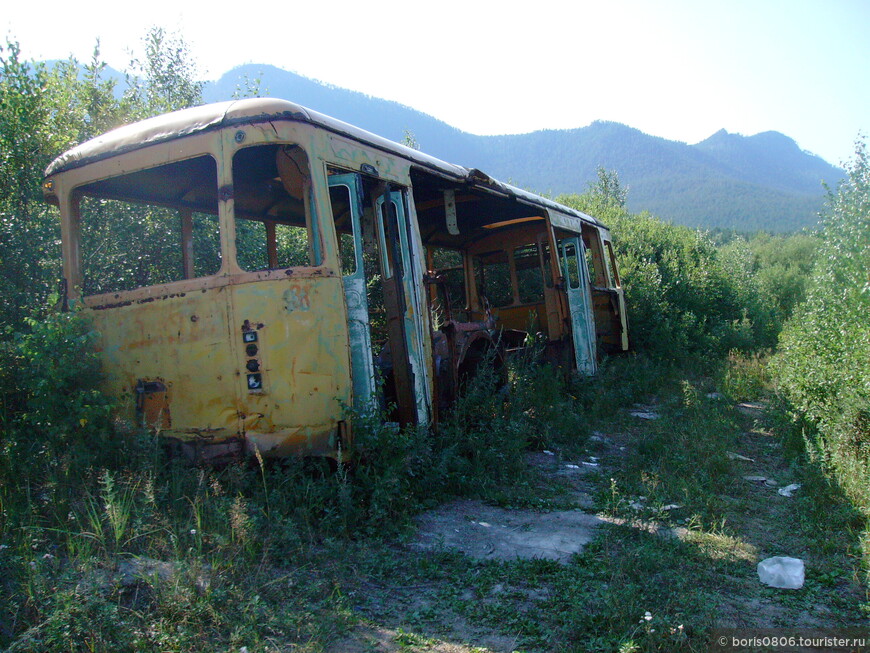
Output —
(80, 501)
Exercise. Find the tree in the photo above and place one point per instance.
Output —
(43, 112)
(248, 87)
(605, 198)
(409, 140)
(823, 365)
(31, 131)
(165, 80)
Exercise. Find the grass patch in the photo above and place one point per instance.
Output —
(142, 553)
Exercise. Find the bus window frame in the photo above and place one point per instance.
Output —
(154, 156)
(71, 223)
(316, 251)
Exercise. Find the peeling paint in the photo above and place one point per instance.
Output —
(296, 299)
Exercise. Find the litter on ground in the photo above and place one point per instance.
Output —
(643, 414)
(789, 490)
(782, 572)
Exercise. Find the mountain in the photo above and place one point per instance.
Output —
(729, 181)
(382, 117)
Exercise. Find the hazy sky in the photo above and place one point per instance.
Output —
(681, 69)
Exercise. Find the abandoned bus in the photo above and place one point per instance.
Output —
(255, 269)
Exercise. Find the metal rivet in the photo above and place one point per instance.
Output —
(240, 136)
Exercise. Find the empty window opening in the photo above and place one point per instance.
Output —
(150, 227)
(448, 265)
(493, 278)
(272, 199)
(340, 201)
(530, 282)
(572, 271)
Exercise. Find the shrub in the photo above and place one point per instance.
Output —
(685, 297)
(823, 364)
(60, 373)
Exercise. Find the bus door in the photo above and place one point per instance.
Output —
(403, 304)
(573, 255)
(346, 191)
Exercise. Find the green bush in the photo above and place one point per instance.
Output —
(685, 297)
(823, 364)
(64, 413)
(770, 274)
(54, 437)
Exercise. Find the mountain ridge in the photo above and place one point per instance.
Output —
(760, 182)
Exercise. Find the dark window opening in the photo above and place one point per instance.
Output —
(530, 282)
(150, 227)
(272, 195)
(493, 278)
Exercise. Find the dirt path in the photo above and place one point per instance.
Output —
(476, 577)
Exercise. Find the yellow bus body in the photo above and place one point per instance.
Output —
(224, 347)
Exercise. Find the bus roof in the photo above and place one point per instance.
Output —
(221, 115)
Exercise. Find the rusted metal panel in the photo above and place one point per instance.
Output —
(572, 257)
(356, 300)
(152, 404)
(305, 369)
(567, 222)
(182, 341)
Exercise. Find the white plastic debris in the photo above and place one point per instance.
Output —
(737, 456)
(570, 466)
(789, 490)
(586, 463)
(643, 414)
(672, 506)
(548, 452)
(782, 572)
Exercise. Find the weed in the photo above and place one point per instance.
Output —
(744, 377)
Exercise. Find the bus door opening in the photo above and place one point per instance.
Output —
(346, 193)
(573, 259)
(383, 306)
(403, 303)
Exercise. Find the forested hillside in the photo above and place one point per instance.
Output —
(728, 181)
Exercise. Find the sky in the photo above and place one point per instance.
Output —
(679, 69)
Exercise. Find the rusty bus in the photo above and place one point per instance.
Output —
(255, 268)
